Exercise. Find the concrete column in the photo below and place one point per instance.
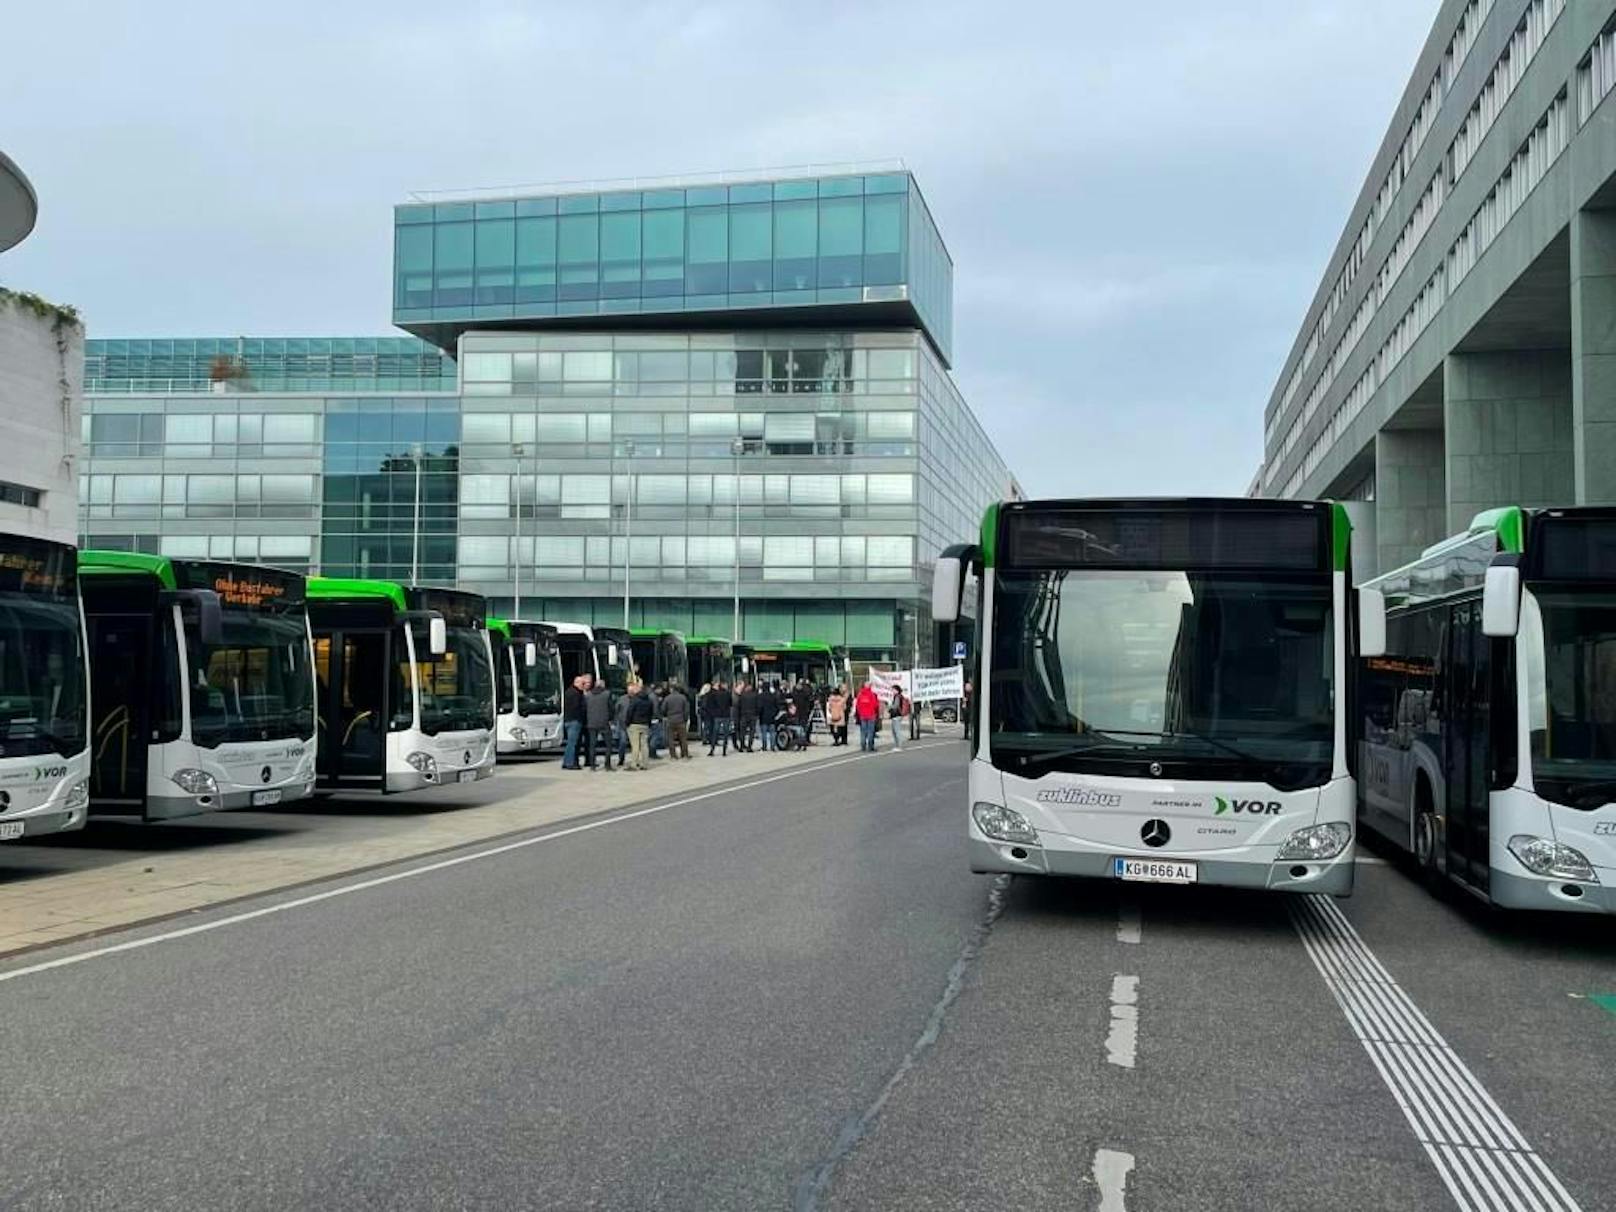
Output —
(1509, 432)
(1410, 494)
(1593, 354)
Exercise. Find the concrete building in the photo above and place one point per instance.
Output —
(41, 396)
(1461, 349)
(696, 390)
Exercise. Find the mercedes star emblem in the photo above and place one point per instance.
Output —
(264, 775)
(1156, 833)
(1155, 770)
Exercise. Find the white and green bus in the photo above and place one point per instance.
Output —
(527, 668)
(406, 685)
(202, 685)
(1488, 724)
(1162, 691)
(44, 690)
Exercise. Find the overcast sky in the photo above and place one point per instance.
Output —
(1139, 198)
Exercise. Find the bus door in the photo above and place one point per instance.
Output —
(121, 697)
(1468, 760)
(354, 667)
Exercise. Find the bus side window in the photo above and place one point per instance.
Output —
(1503, 722)
(167, 717)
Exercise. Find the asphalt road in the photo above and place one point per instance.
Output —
(783, 996)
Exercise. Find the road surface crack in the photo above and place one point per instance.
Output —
(811, 1187)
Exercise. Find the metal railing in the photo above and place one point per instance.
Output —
(728, 176)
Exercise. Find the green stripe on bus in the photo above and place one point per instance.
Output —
(101, 562)
(338, 588)
(1340, 535)
(990, 534)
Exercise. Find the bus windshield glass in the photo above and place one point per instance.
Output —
(1108, 670)
(538, 686)
(615, 674)
(457, 688)
(42, 700)
(1572, 692)
(257, 684)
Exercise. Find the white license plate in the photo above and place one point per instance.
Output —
(468, 776)
(10, 830)
(1154, 871)
(260, 798)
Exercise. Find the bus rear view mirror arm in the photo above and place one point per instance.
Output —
(437, 631)
(1371, 623)
(209, 613)
(1501, 597)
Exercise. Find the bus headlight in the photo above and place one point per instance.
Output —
(1003, 824)
(196, 782)
(424, 763)
(1315, 843)
(78, 796)
(519, 734)
(1543, 857)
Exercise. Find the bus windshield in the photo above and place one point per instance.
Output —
(1573, 694)
(614, 674)
(538, 686)
(1106, 670)
(257, 684)
(457, 688)
(42, 702)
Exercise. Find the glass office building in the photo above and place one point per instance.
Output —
(807, 439)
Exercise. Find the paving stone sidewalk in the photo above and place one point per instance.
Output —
(118, 874)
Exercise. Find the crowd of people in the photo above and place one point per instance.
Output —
(649, 721)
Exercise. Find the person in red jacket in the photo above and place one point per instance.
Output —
(867, 708)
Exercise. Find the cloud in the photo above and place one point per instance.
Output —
(1139, 200)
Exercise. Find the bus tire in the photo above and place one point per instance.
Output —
(1426, 833)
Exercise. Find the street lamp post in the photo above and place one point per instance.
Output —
(517, 452)
(736, 446)
(628, 526)
(415, 538)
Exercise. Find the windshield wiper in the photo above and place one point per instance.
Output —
(1097, 747)
(1591, 795)
(1232, 750)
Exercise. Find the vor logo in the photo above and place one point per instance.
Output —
(1249, 807)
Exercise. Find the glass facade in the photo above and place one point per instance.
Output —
(826, 466)
(147, 367)
(866, 242)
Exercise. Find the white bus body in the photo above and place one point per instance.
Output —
(1161, 692)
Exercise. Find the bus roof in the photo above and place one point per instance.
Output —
(651, 633)
(816, 647)
(349, 588)
(499, 626)
(707, 639)
(101, 563)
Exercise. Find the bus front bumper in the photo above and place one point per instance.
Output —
(1333, 878)
(40, 824)
(414, 780)
(1511, 891)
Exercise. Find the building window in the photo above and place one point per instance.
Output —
(18, 494)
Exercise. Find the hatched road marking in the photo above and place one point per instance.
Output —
(1481, 1156)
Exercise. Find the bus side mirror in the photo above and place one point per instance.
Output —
(1371, 623)
(437, 636)
(611, 654)
(746, 665)
(530, 654)
(1501, 601)
(947, 585)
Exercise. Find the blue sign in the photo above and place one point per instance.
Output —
(959, 650)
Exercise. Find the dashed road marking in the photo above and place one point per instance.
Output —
(1481, 1156)
(1122, 1041)
(1110, 1171)
(1129, 921)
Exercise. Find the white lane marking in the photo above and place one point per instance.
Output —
(235, 919)
(1111, 1170)
(1122, 1041)
(1129, 921)
(1481, 1156)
